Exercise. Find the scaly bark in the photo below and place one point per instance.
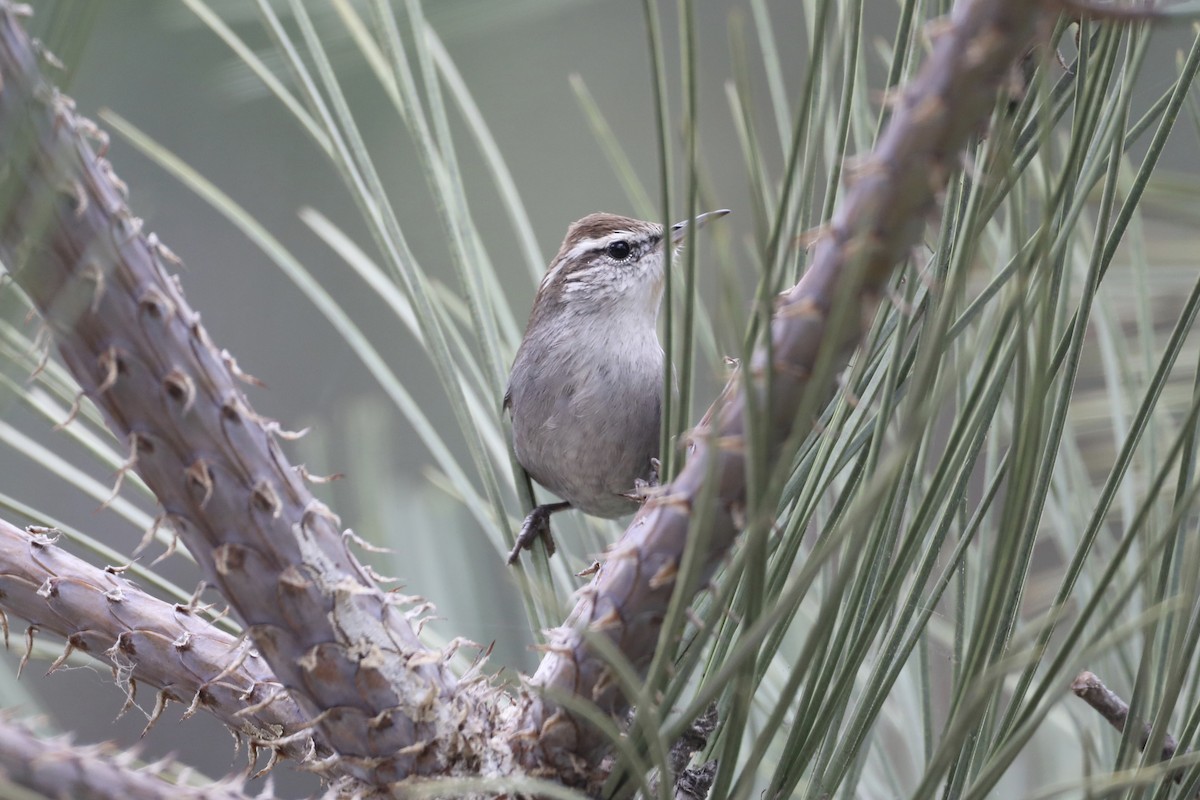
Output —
(145, 641)
(60, 768)
(383, 702)
(880, 218)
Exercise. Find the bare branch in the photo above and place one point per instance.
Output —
(60, 768)
(146, 641)
(1109, 705)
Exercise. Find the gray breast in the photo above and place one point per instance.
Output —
(586, 427)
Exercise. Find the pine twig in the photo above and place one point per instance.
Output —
(1112, 707)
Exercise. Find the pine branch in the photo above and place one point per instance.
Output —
(60, 768)
(386, 705)
(145, 641)
(881, 217)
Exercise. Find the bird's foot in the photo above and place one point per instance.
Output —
(536, 526)
(643, 488)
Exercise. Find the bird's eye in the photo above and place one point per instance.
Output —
(619, 250)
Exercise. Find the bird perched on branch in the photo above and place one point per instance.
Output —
(585, 391)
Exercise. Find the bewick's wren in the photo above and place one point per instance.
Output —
(585, 391)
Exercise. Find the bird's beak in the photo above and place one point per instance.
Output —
(679, 229)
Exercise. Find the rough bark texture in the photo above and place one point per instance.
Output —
(60, 768)
(386, 705)
(343, 648)
(880, 218)
(145, 640)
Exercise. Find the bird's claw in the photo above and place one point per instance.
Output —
(643, 488)
(536, 526)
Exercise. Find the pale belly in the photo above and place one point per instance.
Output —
(590, 444)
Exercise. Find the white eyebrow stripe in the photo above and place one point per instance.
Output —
(596, 244)
(579, 249)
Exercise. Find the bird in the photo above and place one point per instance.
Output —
(586, 386)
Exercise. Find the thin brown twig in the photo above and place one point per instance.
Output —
(1113, 708)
